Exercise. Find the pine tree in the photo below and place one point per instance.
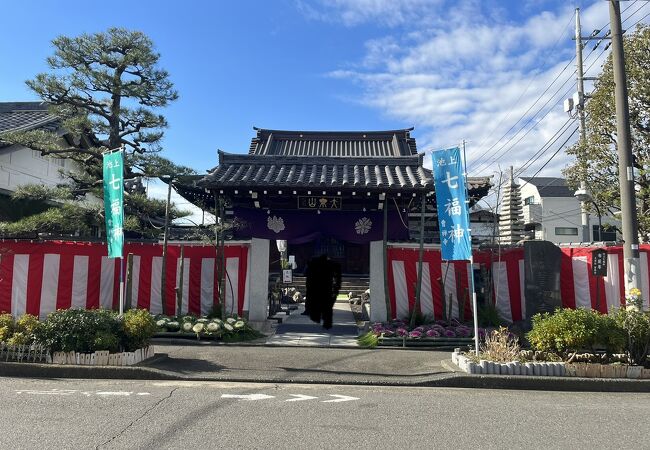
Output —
(105, 89)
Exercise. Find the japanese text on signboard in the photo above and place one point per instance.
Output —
(114, 202)
(319, 202)
(451, 196)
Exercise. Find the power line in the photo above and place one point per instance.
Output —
(502, 150)
(551, 158)
(526, 89)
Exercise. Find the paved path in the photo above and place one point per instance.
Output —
(298, 330)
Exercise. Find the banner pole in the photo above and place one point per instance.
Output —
(471, 261)
(122, 285)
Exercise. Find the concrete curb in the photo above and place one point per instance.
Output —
(445, 379)
(136, 372)
(545, 383)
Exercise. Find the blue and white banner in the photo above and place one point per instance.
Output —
(453, 212)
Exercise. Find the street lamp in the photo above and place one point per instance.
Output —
(583, 195)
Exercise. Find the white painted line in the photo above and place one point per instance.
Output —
(48, 392)
(248, 396)
(341, 398)
(300, 398)
(116, 393)
(143, 393)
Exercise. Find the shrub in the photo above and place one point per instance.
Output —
(571, 330)
(636, 328)
(77, 330)
(19, 338)
(7, 321)
(105, 340)
(27, 324)
(138, 328)
(500, 346)
(5, 333)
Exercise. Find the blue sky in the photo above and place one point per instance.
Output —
(464, 69)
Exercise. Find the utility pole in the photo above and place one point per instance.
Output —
(632, 263)
(581, 125)
(163, 278)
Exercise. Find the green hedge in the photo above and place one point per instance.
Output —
(86, 331)
(571, 330)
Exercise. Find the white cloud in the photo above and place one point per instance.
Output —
(471, 72)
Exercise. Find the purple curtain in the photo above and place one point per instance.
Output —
(300, 226)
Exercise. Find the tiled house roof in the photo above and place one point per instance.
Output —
(374, 160)
(21, 116)
(333, 143)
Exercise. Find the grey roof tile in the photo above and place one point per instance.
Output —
(550, 186)
(333, 143)
(20, 116)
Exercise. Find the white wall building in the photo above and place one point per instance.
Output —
(20, 165)
(552, 213)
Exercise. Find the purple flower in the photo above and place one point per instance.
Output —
(402, 331)
(433, 333)
(449, 333)
(420, 329)
(388, 332)
(415, 334)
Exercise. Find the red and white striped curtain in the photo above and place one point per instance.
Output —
(577, 284)
(37, 278)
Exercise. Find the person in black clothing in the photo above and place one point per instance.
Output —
(323, 284)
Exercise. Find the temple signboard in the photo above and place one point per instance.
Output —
(318, 202)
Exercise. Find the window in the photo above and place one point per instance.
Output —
(607, 234)
(566, 231)
(530, 200)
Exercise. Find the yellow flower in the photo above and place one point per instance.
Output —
(635, 292)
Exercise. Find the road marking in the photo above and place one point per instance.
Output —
(47, 392)
(300, 398)
(248, 397)
(75, 392)
(117, 393)
(341, 398)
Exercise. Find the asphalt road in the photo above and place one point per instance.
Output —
(85, 414)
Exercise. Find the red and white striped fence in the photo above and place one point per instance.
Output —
(39, 277)
(578, 287)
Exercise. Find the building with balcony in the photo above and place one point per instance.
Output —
(552, 213)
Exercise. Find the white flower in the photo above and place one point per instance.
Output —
(230, 320)
(161, 322)
(198, 328)
(239, 324)
(173, 325)
(219, 321)
(228, 327)
(202, 320)
(363, 225)
(212, 327)
(187, 326)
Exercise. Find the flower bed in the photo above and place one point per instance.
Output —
(232, 329)
(546, 368)
(77, 336)
(570, 342)
(399, 333)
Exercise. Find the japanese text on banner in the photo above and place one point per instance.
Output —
(453, 213)
(114, 202)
